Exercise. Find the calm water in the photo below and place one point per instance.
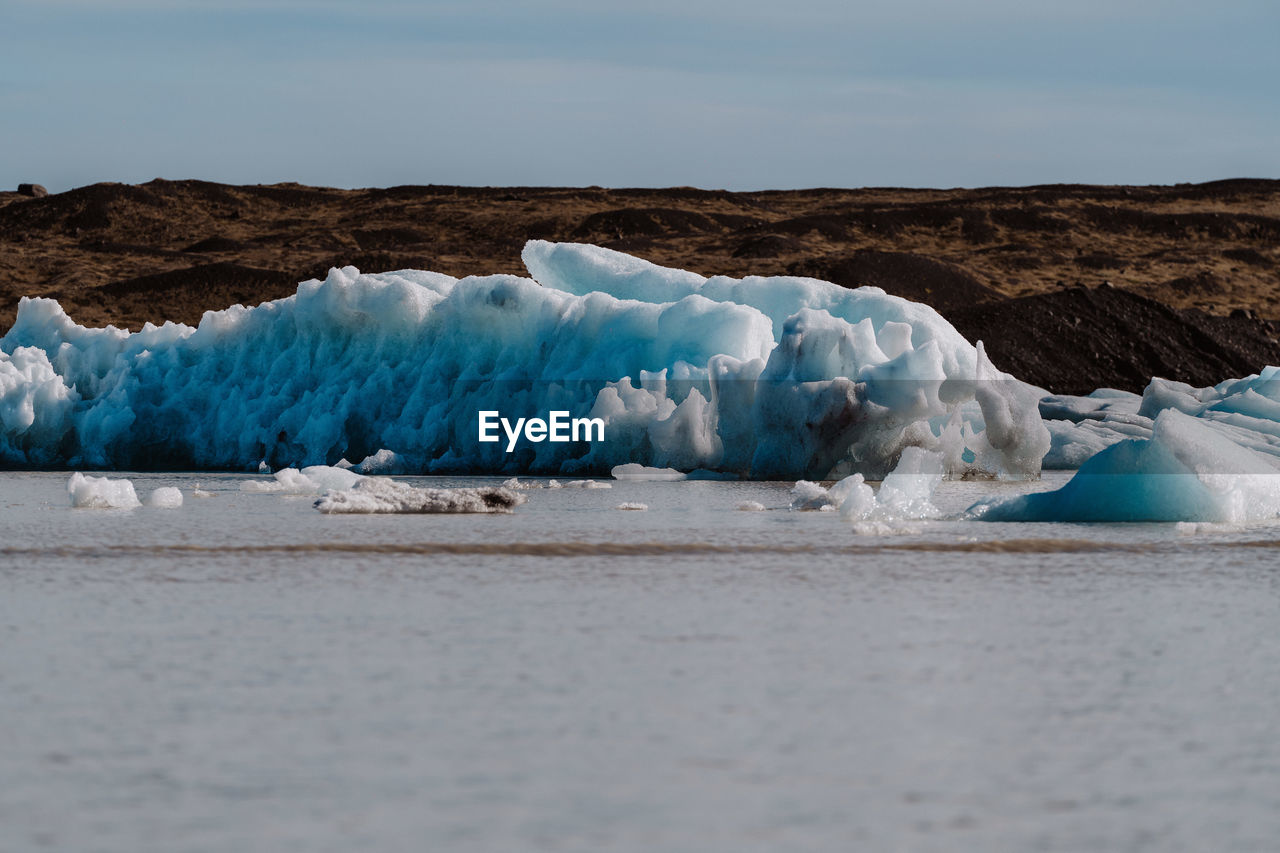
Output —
(246, 674)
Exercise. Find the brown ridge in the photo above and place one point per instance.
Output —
(1070, 286)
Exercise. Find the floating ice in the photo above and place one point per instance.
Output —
(1187, 471)
(165, 497)
(806, 496)
(765, 377)
(1246, 411)
(524, 485)
(309, 481)
(632, 506)
(750, 506)
(379, 495)
(101, 493)
(908, 490)
(636, 471)
(906, 493)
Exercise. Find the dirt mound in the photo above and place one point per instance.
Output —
(1080, 339)
(914, 277)
(188, 293)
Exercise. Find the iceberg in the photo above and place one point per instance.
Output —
(101, 493)
(1187, 471)
(777, 377)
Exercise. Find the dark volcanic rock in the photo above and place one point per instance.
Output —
(32, 190)
(911, 276)
(214, 244)
(1076, 340)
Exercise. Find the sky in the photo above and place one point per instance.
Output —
(733, 94)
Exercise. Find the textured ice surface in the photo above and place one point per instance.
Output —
(767, 377)
(1187, 471)
(379, 495)
(101, 493)
(1247, 411)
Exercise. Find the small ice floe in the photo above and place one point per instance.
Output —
(905, 495)
(263, 467)
(750, 506)
(636, 471)
(630, 505)
(101, 493)
(308, 481)
(525, 485)
(380, 495)
(165, 497)
(810, 496)
(198, 492)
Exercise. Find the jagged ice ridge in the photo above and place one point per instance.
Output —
(763, 377)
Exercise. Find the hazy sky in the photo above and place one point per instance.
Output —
(739, 94)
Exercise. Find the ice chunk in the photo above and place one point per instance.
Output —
(636, 471)
(905, 494)
(309, 481)
(854, 498)
(101, 493)
(379, 495)
(165, 497)
(750, 506)
(1187, 471)
(632, 506)
(908, 490)
(810, 496)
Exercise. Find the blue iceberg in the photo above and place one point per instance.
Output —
(760, 377)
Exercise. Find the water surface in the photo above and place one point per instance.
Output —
(245, 673)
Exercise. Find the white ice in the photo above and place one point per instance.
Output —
(309, 481)
(906, 494)
(636, 471)
(101, 493)
(165, 497)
